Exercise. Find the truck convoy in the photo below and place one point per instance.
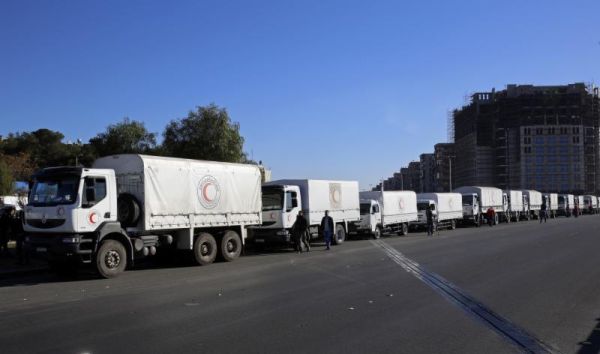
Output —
(515, 205)
(477, 200)
(128, 206)
(551, 200)
(385, 212)
(283, 199)
(446, 209)
(534, 201)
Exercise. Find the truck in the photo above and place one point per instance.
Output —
(566, 203)
(477, 200)
(283, 199)
(590, 204)
(551, 204)
(14, 201)
(515, 205)
(534, 201)
(131, 206)
(446, 209)
(385, 212)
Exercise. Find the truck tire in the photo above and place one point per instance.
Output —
(340, 235)
(205, 249)
(377, 233)
(496, 219)
(128, 210)
(230, 246)
(452, 224)
(111, 259)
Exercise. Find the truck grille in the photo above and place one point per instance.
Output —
(45, 224)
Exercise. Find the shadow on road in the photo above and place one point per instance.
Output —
(592, 343)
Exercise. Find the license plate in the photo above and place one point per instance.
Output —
(41, 249)
(259, 240)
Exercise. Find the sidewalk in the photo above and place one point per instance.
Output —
(9, 266)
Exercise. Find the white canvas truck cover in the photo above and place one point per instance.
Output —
(339, 197)
(553, 197)
(516, 200)
(180, 193)
(488, 196)
(535, 199)
(579, 200)
(396, 206)
(449, 205)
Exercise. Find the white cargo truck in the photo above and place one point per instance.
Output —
(516, 207)
(551, 204)
(590, 204)
(566, 203)
(385, 212)
(534, 200)
(283, 199)
(128, 206)
(15, 201)
(446, 208)
(477, 200)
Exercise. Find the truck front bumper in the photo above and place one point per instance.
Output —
(61, 246)
(271, 236)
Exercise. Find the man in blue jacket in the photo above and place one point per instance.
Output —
(327, 229)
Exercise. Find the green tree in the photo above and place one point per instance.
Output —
(44, 147)
(205, 134)
(6, 179)
(126, 137)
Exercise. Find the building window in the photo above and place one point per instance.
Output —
(538, 140)
(575, 140)
(575, 130)
(539, 131)
(526, 131)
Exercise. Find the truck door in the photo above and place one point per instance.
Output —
(376, 215)
(292, 206)
(95, 203)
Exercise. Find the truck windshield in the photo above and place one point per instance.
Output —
(422, 206)
(272, 199)
(467, 200)
(365, 208)
(54, 190)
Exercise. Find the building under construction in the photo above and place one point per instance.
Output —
(530, 137)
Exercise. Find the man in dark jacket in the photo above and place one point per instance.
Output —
(4, 230)
(544, 213)
(19, 235)
(299, 231)
(429, 214)
(327, 229)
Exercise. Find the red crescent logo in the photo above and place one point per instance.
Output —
(93, 218)
(205, 192)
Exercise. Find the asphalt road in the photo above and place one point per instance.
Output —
(356, 298)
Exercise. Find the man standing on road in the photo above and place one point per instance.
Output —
(543, 213)
(327, 229)
(19, 236)
(429, 215)
(4, 230)
(299, 230)
(490, 214)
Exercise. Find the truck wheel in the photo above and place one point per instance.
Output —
(496, 219)
(377, 233)
(452, 224)
(111, 259)
(340, 235)
(231, 246)
(128, 210)
(478, 220)
(205, 249)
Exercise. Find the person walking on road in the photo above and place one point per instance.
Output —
(576, 210)
(543, 213)
(19, 236)
(490, 214)
(327, 229)
(429, 215)
(300, 230)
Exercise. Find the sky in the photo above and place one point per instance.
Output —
(348, 90)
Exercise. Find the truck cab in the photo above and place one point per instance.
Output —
(280, 206)
(68, 209)
(470, 205)
(370, 219)
(422, 205)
